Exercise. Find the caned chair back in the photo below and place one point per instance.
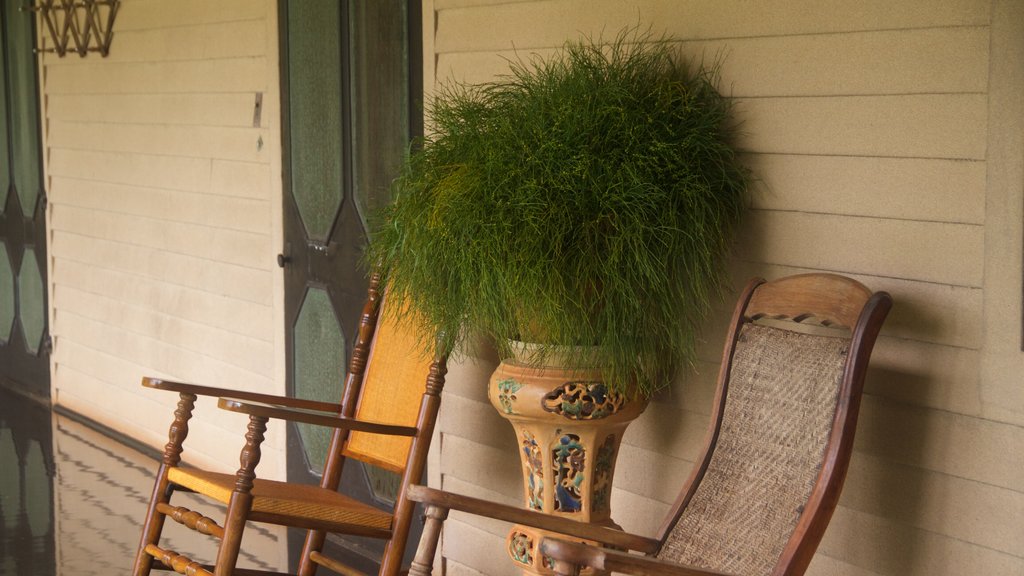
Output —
(781, 430)
(391, 393)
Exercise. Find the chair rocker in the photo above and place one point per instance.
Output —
(762, 492)
(386, 417)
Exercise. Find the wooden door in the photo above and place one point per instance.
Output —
(24, 340)
(350, 105)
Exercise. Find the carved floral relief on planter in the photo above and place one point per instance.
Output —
(568, 462)
(534, 471)
(507, 394)
(603, 464)
(520, 548)
(579, 400)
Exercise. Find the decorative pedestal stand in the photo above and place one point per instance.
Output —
(568, 425)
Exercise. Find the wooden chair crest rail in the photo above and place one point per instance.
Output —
(386, 417)
(761, 495)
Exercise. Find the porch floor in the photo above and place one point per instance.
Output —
(72, 499)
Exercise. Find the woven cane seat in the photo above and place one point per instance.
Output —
(777, 421)
(333, 509)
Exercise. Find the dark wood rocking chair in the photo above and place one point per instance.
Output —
(386, 417)
(776, 454)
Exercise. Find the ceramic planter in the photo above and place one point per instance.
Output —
(568, 426)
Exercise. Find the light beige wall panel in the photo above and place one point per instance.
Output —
(930, 61)
(242, 144)
(638, 514)
(528, 25)
(927, 311)
(901, 188)
(148, 421)
(226, 212)
(495, 527)
(193, 272)
(227, 75)
(664, 429)
(479, 420)
(153, 171)
(244, 249)
(468, 373)
(972, 448)
(459, 486)
(242, 179)
(202, 42)
(971, 511)
(1002, 392)
(476, 549)
(449, 4)
(823, 565)
(495, 468)
(225, 313)
(247, 353)
(188, 141)
(172, 109)
(160, 356)
(160, 14)
(926, 375)
(693, 389)
(119, 374)
(653, 474)
(885, 547)
(922, 126)
(453, 568)
(927, 251)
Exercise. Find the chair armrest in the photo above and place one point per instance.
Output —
(583, 555)
(312, 417)
(158, 384)
(607, 536)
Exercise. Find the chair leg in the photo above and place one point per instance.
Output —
(314, 543)
(162, 489)
(423, 563)
(241, 499)
(154, 524)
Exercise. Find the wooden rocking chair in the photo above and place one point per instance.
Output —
(762, 493)
(386, 417)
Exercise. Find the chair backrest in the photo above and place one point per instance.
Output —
(388, 381)
(392, 389)
(761, 495)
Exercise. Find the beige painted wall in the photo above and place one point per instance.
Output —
(164, 219)
(888, 138)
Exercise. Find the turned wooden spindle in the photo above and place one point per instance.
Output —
(423, 563)
(179, 429)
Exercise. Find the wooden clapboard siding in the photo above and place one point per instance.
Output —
(225, 143)
(926, 189)
(164, 218)
(205, 110)
(248, 319)
(210, 210)
(882, 137)
(204, 76)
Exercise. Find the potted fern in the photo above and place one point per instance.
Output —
(582, 204)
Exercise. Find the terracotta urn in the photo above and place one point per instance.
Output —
(568, 426)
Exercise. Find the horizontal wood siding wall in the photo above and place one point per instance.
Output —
(871, 129)
(164, 218)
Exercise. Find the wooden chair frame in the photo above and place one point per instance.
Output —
(260, 408)
(830, 300)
